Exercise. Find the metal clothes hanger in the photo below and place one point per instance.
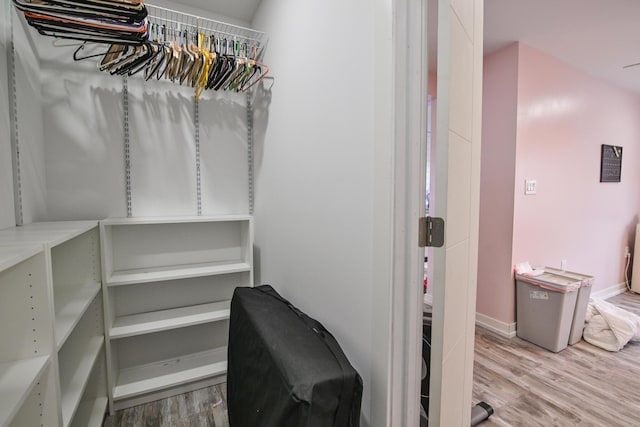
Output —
(81, 47)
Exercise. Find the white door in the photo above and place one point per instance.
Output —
(457, 189)
(457, 147)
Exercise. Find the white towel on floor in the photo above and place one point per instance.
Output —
(610, 327)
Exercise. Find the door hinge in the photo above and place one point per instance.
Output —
(431, 232)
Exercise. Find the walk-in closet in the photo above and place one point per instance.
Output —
(140, 185)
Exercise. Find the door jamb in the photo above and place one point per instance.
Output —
(409, 169)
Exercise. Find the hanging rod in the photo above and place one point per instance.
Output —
(163, 14)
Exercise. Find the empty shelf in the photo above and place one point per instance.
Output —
(72, 392)
(91, 413)
(16, 381)
(144, 379)
(76, 227)
(174, 219)
(155, 321)
(70, 307)
(52, 234)
(13, 255)
(146, 275)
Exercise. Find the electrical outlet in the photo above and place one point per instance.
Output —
(626, 250)
(563, 265)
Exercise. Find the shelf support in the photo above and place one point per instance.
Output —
(196, 123)
(13, 113)
(250, 149)
(127, 144)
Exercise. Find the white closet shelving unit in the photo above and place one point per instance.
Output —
(74, 314)
(167, 284)
(27, 384)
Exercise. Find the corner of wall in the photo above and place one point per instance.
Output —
(496, 290)
(28, 124)
(507, 330)
(7, 209)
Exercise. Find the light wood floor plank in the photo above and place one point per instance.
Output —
(527, 386)
(200, 408)
(582, 385)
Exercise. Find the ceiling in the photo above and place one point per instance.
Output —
(238, 9)
(597, 36)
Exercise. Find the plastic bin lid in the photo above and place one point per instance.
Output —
(551, 281)
(586, 280)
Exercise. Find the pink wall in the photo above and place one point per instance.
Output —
(499, 109)
(432, 83)
(563, 116)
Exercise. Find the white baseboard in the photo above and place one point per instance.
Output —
(507, 330)
(611, 291)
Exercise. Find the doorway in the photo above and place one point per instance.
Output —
(454, 196)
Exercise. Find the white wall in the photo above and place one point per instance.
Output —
(30, 130)
(30, 133)
(83, 130)
(7, 213)
(314, 170)
(82, 114)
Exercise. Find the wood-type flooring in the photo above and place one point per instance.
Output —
(582, 385)
(201, 408)
(527, 385)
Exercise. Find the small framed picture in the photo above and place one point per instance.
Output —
(610, 163)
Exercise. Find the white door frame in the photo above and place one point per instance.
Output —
(451, 377)
(409, 168)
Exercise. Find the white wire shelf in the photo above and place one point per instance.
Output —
(169, 17)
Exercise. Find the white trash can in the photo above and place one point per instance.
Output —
(545, 307)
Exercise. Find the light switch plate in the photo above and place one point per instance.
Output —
(530, 187)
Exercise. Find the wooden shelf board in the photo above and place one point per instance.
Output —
(69, 229)
(91, 412)
(144, 379)
(158, 274)
(155, 321)
(72, 394)
(16, 382)
(51, 234)
(68, 226)
(173, 220)
(13, 255)
(70, 307)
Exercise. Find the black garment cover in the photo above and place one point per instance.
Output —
(427, 315)
(286, 369)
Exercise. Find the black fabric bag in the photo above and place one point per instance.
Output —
(426, 365)
(285, 368)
